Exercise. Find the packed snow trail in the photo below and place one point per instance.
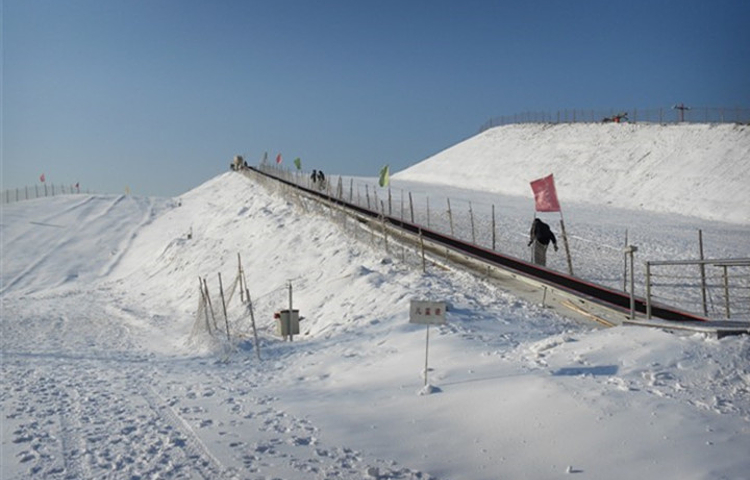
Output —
(100, 384)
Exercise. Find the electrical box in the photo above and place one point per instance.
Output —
(287, 323)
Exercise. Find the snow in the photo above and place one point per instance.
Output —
(695, 169)
(105, 376)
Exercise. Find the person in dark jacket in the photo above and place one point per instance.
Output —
(540, 236)
(321, 180)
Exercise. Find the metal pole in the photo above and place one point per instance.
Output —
(648, 290)
(421, 243)
(428, 212)
(450, 216)
(726, 289)
(494, 236)
(630, 250)
(239, 274)
(625, 265)
(426, 354)
(703, 272)
(471, 217)
(402, 204)
(411, 207)
(289, 317)
(632, 285)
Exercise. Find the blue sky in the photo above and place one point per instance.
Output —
(159, 95)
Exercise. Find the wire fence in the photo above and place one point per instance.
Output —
(489, 226)
(674, 114)
(13, 195)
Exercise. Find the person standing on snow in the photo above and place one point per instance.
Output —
(540, 236)
(321, 180)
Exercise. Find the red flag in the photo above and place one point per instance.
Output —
(41, 178)
(278, 158)
(545, 195)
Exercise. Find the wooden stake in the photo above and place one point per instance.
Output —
(224, 305)
(240, 275)
(565, 242)
(205, 303)
(252, 321)
(210, 305)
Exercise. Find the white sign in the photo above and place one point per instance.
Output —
(427, 313)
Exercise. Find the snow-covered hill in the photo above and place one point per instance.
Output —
(700, 170)
(104, 374)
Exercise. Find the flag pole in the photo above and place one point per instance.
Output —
(545, 200)
(565, 243)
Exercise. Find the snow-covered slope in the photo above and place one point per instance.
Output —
(700, 170)
(103, 375)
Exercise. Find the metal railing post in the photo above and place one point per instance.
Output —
(648, 290)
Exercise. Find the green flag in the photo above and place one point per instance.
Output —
(298, 163)
(385, 175)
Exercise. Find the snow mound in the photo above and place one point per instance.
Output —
(700, 170)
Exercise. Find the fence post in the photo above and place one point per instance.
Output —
(224, 305)
(625, 265)
(402, 204)
(428, 212)
(493, 227)
(385, 231)
(703, 272)
(630, 251)
(205, 303)
(726, 289)
(471, 218)
(421, 244)
(648, 290)
(450, 216)
(411, 207)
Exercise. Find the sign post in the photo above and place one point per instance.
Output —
(427, 313)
